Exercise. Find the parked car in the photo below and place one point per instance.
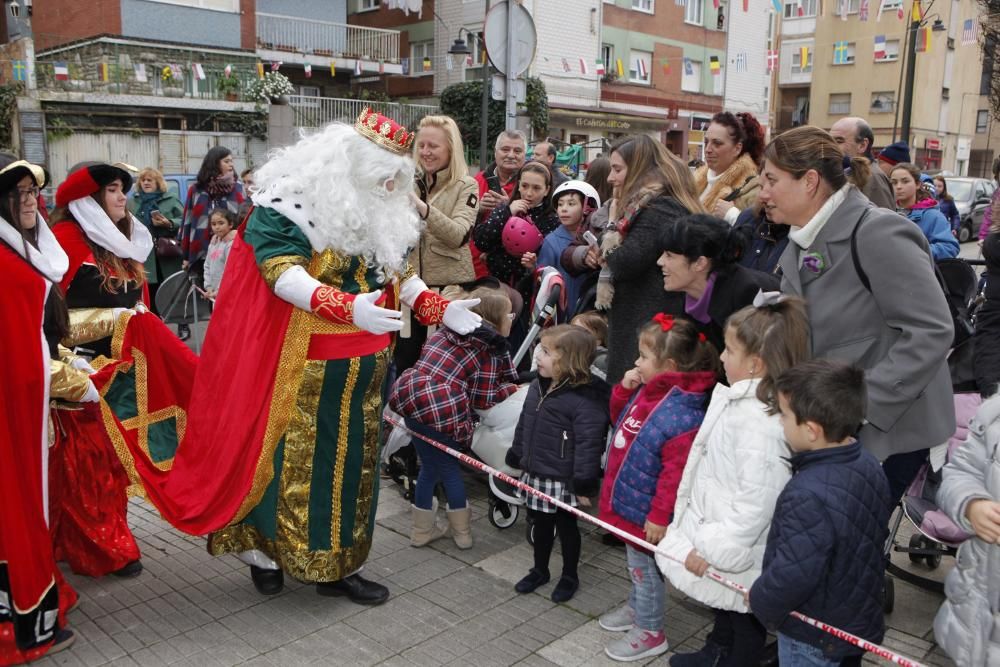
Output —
(972, 196)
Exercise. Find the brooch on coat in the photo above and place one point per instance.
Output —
(813, 262)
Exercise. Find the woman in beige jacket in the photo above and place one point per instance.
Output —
(447, 199)
(727, 183)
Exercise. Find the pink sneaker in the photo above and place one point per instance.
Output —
(637, 644)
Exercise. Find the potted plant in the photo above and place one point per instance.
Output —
(228, 85)
(272, 88)
(172, 87)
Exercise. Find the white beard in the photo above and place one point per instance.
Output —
(331, 184)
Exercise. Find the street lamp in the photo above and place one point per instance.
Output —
(460, 48)
(911, 65)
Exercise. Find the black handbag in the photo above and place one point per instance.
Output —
(168, 248)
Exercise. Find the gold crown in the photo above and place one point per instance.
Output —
(384, 131)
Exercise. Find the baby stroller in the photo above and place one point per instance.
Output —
(937, 535)
(181, 300)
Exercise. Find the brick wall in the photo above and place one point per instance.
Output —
(60, 21)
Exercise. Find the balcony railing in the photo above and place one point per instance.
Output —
(318, 111)
(326, 39)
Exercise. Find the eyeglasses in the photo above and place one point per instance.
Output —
(29, 194)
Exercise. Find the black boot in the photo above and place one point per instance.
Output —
(267, 582)
(532, 580)
(131, 569)
(710, 655)
(357, 589)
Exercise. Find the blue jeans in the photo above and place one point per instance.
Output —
(437, 466)
(793, 653)
(648, 595)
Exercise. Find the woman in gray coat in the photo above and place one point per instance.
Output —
(967, 626)
(868, 280)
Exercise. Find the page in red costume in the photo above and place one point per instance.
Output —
(29, 583)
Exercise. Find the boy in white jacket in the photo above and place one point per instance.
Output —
(734, 473)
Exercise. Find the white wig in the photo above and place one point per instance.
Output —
(346, 193)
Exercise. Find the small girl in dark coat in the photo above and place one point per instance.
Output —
(531, 200)
(558, 445)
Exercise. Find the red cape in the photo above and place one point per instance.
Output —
(218, 461)
(24, 536)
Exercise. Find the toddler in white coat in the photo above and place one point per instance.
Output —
(734, 473)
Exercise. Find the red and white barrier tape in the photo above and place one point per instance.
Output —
(864, 644)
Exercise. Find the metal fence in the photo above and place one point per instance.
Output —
(325, 38)
(318, 111)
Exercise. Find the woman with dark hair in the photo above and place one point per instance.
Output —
(946, 203)
(868, 279)
(35, 596)
(216, 187)
(653, 187)
(727, 183)
(105, 283)
(701, 259)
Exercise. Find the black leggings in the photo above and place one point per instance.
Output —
(742, 635)
(546, 526)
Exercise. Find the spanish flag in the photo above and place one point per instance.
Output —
(621, 69)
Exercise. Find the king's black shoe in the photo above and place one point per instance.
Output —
(267, 582)
(356, 588)
(133, 568)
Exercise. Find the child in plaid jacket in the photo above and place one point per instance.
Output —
(454, 376)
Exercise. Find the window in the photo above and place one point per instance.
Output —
(890, 4)
(474, 40)
(840, 104)
(368, 5)
(883, 102)
(308, 92)
(217, 5)
(982, 120)
(808, 9)
(797, 67)
(691, 77)
(843, 53)
(853, 6)
(608, 57)
(643, 5)
(694, 12)
(891, 52)
(945, 93)
(639, 63)
(421, 58)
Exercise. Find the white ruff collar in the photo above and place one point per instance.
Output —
(98, 227)
(48, 258)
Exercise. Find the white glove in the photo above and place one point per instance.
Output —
(459, 318)
(82, 364)
(375, 319)
(116, 312)
(141, 308)
(92, 395)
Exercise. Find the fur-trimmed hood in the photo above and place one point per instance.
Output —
(734, 178)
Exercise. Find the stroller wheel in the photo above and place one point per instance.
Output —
(916, 542)
(502, 514)
(888, 595)
(529, 532)
(933, 562)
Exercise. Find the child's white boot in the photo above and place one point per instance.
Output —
(425, 527)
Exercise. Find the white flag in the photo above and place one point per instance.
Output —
(140, 72)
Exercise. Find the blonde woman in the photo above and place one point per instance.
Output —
(161, 211)
(447, 199)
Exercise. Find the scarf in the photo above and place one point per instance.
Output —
(219, 187)
(48, 258)
(97, 225)
(712, 187)
(147, 204)
(613, 238)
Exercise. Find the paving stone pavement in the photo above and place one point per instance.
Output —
(448, 606)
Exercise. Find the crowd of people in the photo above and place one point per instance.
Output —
(751, 369)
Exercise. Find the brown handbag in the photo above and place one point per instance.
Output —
(167, 248)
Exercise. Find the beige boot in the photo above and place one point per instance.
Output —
(425, 528)
(461, 530)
